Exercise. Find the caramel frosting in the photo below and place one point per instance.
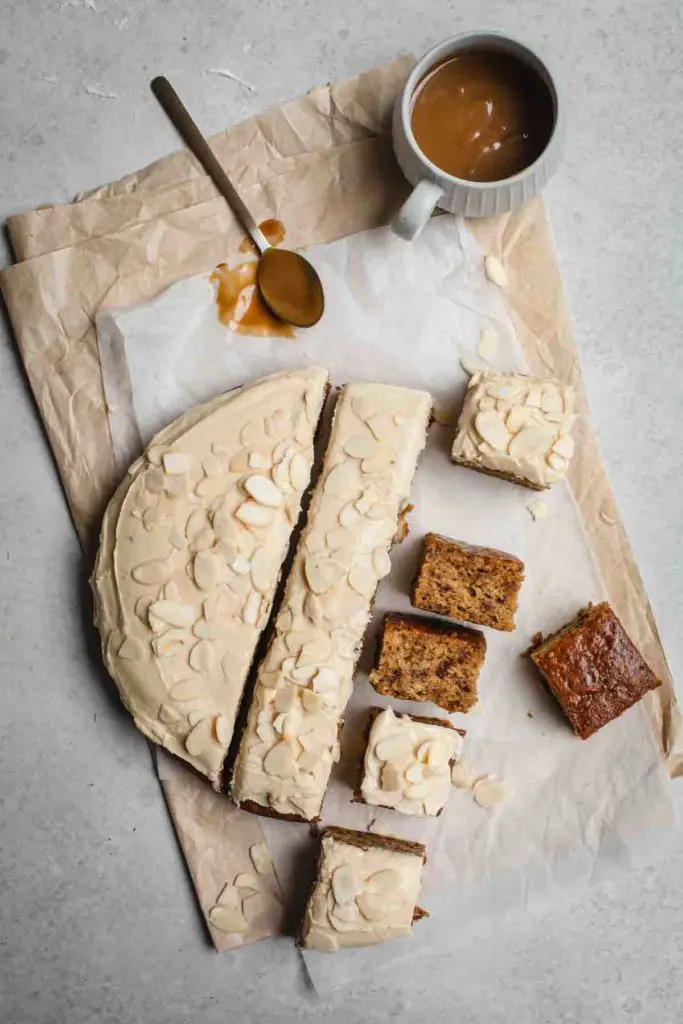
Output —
(516, 426)
(304, 683)
(190, 555)
(407, 764)
(362, 896)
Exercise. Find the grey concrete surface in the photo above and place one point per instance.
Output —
(97, 923)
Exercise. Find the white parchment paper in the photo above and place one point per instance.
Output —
(402, 314)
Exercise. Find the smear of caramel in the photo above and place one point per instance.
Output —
(240, 306)
(273, 229)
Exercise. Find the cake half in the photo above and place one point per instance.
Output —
(191, 550)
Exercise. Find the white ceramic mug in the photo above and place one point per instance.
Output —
(434, 187)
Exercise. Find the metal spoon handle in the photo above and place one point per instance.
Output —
(195, 141)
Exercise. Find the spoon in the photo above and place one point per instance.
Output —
(289, 285)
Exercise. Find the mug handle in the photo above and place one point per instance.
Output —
(417, 209)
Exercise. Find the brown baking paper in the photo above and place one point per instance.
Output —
(324, 165)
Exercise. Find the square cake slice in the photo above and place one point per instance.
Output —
(428, 660)
(365, 890)
(593, 669)
(408, 761)
(516, 427)
(463, 581)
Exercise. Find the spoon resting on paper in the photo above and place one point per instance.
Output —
(288, 284)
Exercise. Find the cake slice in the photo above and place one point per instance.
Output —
(516, 427)
(466, 582)
(365, 890)
(428, 660)
(593, 669)
(190, 555)
(408, 761)
(303, 685)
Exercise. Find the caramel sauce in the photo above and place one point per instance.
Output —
(482, 115)
(240, 306)
(273, 229)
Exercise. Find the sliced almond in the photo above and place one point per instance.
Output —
(155, 455)
(202, 656)
(417, 790)
(383, 881)
(132, 649)
(187, 689)
(228, 919)
(154, 481)
(490, 426)
(278, 424)
(361, 446)
(258, 461)
(564, 446)
(177, 486)
(155, 570)
(261, 858)
(210, 487)
(250, 612)
(142, 606)
(321, 572)
(556, 462)
(223, 730)
(345, 884)
(175, 613)
(462, 776)
(349, 516)
(377, 463)
(383, 426)
(253, 906)
(346, 912)
(532, 440)
(534, 397)
(254, 514)
(517, 418)
(391, 747)
(251, 433)
(363, 579)
(169, 715)
(495, 271)
(471, 364)
(341, 479)
(316, 651)
(241, 565)
(415, 773)
(311, 701)
(326, 680)
(199, 737)
(372, 906)
(202, 541)
(489, 791)
(340, 537)
(284, 698)
(280, 762)
(381, 563)
(551, 400)
(266, 733)
(299, 472)
(264, 491)
(208, 569)
(177, 463)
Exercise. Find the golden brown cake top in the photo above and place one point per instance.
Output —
(594, 669)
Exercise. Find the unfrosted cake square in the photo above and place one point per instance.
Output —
(593, 669)
(408, 761)
(516, 427)
(429, 660)
(468, 582)
(365, 890)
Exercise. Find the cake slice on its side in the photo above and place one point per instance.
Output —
(365, 890)
(429, 660)
(593, 669)
(466, 582)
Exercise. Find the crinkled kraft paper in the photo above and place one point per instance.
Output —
(323, 164)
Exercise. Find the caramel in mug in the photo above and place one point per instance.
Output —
(482, 115)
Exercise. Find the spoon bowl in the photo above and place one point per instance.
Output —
(290, 287)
